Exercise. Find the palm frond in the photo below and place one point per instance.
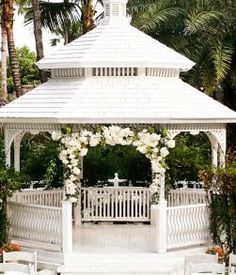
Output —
(221, 53)
(54, 14)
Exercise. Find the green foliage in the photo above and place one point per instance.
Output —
(40, 160)
(191, 154)
(221, 183)
(103, 161)
(28, 70)
(204, 31)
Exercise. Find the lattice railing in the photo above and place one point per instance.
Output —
(187, 225)
(36, 223)
(40, 197)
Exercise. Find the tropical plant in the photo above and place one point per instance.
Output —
(8, 19)
(220, 183)
(202, 30)
(28, 70)
(38, 35)
(3, 92)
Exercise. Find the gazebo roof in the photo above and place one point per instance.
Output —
(116, 100)
(115, 44)
(115, 74)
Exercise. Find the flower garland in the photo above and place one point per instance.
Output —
(74, 145)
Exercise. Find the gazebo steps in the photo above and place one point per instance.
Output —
(126, 263)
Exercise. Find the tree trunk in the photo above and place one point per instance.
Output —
(87, 17)
(8, 15)
(38, 35)
(3, 93)
(66, 27)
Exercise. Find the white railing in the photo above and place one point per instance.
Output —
(115, 204)
(39, 197)
(36, 223)
(187, 225)
(186, 197)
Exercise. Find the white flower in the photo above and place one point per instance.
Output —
(72, 199)
(72, 178)
(83, 152)
(164, 152)
(56, 135)
(84, 140)
(171, 143)
(76, 171)
(94, 141)
(153, 188)
(142, 149)
(65, 161)
(74, 162)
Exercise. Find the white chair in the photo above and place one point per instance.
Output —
(197, 259)
(207, 268)
(21, 257)
(16, 269)
(232, 264)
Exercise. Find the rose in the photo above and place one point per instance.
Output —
(56, 135)
(83, 152)
(171, 143)
(142, 149)
(164, 152)
(76, 171)
(72, 199)
(153, 188)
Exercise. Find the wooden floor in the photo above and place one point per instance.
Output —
(114, 238)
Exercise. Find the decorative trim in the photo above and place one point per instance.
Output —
(127, 71)
(68, 73)
(162, 72)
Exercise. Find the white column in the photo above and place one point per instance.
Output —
(214, 154)
(221, 158)
(7, 148)
(77, 209)
(160, 219)
(67, 234)
(17, 154)
(161, 222)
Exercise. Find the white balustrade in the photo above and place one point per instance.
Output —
(40, 197)
(186, 197)
(187, 225)
(115, 204)
(36, 223)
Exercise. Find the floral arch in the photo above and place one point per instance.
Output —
(153, 143)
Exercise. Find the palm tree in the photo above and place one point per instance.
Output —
(8, 19)
(202, 30)
(3, 92)
(38, 35)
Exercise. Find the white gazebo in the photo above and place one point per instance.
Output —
(115, 75)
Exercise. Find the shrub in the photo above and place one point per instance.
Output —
(221, 184)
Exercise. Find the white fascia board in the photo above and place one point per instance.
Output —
(104, 64)
(115, 120)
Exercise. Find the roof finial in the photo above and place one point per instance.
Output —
(114, 8)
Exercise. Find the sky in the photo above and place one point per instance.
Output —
(24, 35)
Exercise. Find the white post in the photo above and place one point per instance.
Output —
(67, 235)
(161, 219)
(214, 154)
(222, 159)
(17, 154)
(7, 148)
(77, 208)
